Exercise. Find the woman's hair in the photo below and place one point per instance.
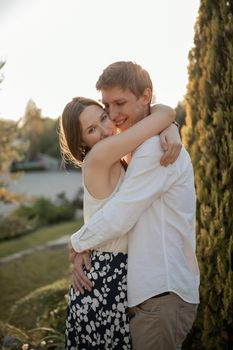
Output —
(70, 133)
(126, 75)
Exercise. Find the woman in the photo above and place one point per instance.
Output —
(98, 318)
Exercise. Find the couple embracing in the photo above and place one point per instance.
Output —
(135, 277)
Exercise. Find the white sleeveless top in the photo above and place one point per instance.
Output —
(91, 205)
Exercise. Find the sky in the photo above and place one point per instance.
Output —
(56, 49)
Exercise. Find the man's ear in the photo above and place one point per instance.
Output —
(147, 96)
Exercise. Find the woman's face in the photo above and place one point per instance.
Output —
(95, 125)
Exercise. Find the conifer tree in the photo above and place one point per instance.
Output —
(208, 135)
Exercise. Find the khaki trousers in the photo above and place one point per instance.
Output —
(161, 323)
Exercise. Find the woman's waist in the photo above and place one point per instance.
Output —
(119, 245)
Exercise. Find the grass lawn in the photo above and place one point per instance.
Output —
(38, 237)
(20, 277)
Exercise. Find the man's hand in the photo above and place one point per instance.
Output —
(79, 279)
(171, 144)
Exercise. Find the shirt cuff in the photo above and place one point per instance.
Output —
(78, 241)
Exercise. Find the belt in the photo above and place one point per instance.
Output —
(160, 295)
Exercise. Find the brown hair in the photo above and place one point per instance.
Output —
(126, 75)
(70, 135)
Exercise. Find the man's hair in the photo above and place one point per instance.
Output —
(126, 75)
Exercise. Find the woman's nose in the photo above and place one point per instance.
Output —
(105, 131)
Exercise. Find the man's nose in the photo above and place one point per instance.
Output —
(113, 112)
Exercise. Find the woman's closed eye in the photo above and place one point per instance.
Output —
(104, 117)
(91, 130)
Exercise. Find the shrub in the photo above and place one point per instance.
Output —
(42, 338)
(14, 226)
(45, 212)
(44, 307)
(78, 199)
(12, 338)
(41, 212)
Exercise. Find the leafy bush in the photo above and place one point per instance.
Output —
(45, 212)
(44, 307)
(41, 338)
(42, 212)
(37, 321)
(12, 338)
(78, 199)
(14, 226)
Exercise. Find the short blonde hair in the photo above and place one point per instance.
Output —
(126, 75)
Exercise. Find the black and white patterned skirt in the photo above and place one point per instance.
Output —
(99, 319)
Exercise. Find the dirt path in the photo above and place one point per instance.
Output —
(50, 244)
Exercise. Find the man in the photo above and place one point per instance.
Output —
(156, 206)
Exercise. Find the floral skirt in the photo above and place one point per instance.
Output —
(99, 319)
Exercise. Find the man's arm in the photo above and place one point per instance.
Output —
(145, 180)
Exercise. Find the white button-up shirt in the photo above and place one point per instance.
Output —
(156, 205)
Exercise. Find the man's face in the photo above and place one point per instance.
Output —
(123, 107)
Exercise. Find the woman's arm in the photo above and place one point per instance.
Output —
(171, 144)
(111, 149)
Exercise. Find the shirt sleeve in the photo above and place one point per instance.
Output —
(144, 182)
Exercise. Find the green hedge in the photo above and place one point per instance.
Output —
(28, 217)
(14, 226)
(45, 212)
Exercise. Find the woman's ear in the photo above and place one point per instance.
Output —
(147, 96)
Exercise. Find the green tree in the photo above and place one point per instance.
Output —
(208, 135)
(180, 112)
(49, 143)
(32, 129)
(40, 132)
(10, 150)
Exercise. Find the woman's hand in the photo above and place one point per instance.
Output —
(79, 279)
(171, 144)
(71, 251)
